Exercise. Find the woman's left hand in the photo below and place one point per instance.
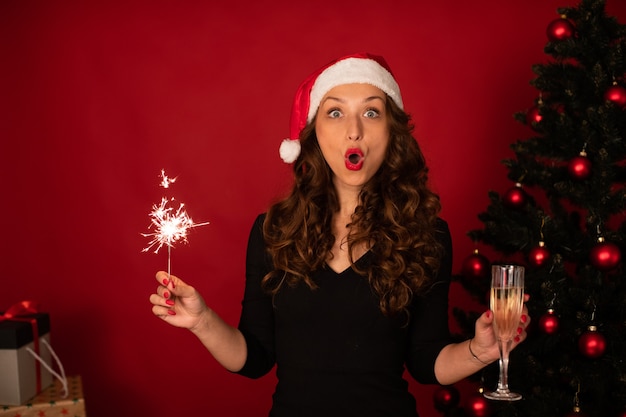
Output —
(485, 345)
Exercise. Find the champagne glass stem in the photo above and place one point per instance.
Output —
(503, 380)
(502, 392)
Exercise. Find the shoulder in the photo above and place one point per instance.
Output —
(442, 232)
(257, 254)
(441, 226)
(256, 232)
(260, 219)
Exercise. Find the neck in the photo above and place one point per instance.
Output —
(348, 199)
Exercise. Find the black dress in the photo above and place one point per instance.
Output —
(336, 353)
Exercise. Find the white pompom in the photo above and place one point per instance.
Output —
(289, 150)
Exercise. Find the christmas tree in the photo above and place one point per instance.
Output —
(563, 219)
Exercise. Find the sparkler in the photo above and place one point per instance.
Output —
(171, 225)
(165, 180)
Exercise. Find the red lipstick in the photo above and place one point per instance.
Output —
(354, 159)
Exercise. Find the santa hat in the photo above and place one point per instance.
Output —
(362, 68)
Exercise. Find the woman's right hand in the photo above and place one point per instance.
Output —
(182, 306)
(176, 302)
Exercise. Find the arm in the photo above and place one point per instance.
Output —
(456, 361)
(248, 349)
(460, 360)
(432, 358)
(181, 305)
(428, 328)
(257, 313)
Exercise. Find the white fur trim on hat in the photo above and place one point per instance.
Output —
(289, 150)
(353, 71)
(360, 68)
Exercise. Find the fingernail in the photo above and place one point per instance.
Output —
(171, 303)
(171, 312)
(488, 314)
(517, 339)
(165, 281)
(519, 329)
(166, 294)
(523, 318)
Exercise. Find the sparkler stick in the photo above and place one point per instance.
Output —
(170, 225)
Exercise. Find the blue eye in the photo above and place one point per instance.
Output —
(334, 113)
(371, 113)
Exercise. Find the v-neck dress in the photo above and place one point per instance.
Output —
(335, 353)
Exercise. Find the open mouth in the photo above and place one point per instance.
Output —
(354, 159)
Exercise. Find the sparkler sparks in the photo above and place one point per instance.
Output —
(171, 225)
(165, 180)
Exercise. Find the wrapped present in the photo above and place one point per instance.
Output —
(23, 332)
(52, 402)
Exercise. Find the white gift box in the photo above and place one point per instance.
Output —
(22, 376)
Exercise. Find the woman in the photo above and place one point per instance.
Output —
(347, 277)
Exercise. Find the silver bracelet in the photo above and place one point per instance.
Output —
(473, 355)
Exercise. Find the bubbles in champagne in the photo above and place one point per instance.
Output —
(507, 304)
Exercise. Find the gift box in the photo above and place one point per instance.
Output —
(23, 376)
(52, 402)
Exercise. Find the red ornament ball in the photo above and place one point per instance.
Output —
(477, 406)
(445, 398)
(533, 117)
(605, 256)
(560, 30)
(549, 322)
(579, 168)
(616, 94)
(476, 267)
(539, 255)
(592, 344)
(515, 197)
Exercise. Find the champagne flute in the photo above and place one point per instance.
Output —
(507, 302)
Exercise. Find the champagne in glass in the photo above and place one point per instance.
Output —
(507, 302)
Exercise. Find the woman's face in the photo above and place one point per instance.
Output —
(353, 132)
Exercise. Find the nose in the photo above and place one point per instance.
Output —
(355, 128)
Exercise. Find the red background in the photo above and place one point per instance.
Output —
(97, 97)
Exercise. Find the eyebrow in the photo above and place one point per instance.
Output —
(368, 99)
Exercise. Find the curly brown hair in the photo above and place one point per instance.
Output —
(395, 218)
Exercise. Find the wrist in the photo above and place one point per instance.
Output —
(203, 322)
(474, 355)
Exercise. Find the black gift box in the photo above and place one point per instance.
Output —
(14, 334)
